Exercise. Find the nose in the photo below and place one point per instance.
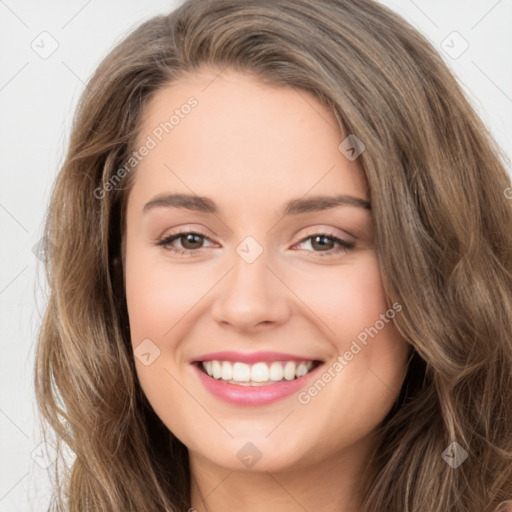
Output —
(251, 297)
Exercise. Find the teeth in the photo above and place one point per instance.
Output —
(258, 373)
(216, 370)
(241, 372)
(227, 371)
(289, 370)
(276, 371)
(302, 369)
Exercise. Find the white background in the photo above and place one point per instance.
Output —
(37, 99)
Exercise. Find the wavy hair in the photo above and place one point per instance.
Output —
(443, 225)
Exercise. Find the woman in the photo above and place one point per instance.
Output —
(251, 370)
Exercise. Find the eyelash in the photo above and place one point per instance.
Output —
(345, 246)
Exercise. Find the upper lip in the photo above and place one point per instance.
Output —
(251, 357)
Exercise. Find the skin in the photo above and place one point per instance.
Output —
(252, 147)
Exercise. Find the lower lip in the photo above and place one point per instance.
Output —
(253, 395)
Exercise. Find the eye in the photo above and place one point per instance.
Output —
(190, 241)
(321, 240)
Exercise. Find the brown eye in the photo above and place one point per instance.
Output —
(324, 244)
(191, 243)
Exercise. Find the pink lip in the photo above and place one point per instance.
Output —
(250, 358)
(254, 395)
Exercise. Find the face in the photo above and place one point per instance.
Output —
(235, 268)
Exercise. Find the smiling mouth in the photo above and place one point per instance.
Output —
(257, 374)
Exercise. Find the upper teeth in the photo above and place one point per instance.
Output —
(258, 372)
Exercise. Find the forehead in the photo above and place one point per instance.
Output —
(242, 138)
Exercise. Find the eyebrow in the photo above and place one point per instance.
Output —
(292, 207)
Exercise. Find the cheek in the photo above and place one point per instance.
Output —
(358, 322)
(158, 295)
(158, 298)
(359, 386)
(347, 299)
(366, 336)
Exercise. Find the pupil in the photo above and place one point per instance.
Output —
(320, 237)
(190, 239)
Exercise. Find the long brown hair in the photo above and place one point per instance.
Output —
(443, 227)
